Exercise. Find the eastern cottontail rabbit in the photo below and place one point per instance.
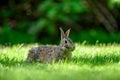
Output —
(48, 54)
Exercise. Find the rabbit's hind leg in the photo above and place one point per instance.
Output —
(30, 57)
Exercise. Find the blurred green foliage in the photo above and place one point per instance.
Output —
(95, 36)
(113, 3)
(39, 21)
(52, 12)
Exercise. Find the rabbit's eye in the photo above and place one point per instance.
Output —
(65, 41)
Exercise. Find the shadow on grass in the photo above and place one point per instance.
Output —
(16, 62)
(97, 60)
(9, 62)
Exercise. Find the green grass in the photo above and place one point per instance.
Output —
(89, 62)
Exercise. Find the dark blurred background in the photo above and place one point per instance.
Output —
(31, 21)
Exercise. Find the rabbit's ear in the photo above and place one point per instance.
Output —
(62, 33)
(67, 32)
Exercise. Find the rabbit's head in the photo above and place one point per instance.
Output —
(66, 42)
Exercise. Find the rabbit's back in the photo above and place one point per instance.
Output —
(45, 54)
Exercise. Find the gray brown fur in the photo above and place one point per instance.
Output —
(47, 54)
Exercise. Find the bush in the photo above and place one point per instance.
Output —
(31, 21)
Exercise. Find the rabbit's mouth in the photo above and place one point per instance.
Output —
(73, 48)
(69, 48)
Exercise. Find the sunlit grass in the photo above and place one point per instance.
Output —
(89, 62)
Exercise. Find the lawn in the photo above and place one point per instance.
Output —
(89, 62)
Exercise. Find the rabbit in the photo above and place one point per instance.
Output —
(48, 54)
